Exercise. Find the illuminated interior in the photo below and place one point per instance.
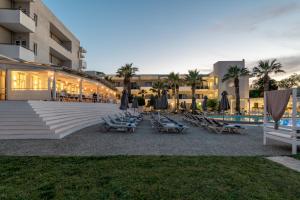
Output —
(29, 80)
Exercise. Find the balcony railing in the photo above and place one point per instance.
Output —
(17, 20)
(17, 52)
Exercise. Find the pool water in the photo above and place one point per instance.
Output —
(253, 119)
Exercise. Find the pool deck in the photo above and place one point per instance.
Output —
(146, 141)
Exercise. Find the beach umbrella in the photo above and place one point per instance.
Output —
(204, 104)
(135, 103)
(164, 100)
(124, 100)
(224, 104)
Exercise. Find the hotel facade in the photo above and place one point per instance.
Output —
(212, 85)
(40, 59)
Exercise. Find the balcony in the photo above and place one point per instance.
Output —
(17, 52)
(16, 21)
(82, 64)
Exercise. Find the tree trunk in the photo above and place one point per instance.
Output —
(237, 96)
(193, 97)
(177, 97)
(266, 83)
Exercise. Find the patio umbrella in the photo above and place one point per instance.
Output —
(224, 104)
(184, 105)
(204, 104)
(124, 100)
(164, 100)
(135, 103)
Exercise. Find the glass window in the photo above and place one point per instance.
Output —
(36, 82)
(28, 80)
(19, 80)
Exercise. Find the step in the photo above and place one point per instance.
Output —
(23, 127)
(32, 132)
(66, 116)
(73, 122)
(22, 136)
(22, 123)
(19, 120)
(68, 130)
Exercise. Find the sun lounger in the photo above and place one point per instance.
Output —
(219, 127)
(109, 125)
(165, 124)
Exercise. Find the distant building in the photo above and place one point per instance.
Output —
(30, 32)
(212, 85)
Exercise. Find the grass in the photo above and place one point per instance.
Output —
(297, 156)
(146, 177)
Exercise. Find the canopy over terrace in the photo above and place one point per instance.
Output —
(32, 81)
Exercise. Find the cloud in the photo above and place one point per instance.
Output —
(251, 21)
(291, 64)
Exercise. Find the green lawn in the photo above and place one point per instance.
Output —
(297, 156)
(146, 177)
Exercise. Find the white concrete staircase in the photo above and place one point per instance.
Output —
(49, 120)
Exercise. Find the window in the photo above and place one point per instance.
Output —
(24, 43)
(18, 42)
(35, 48)
(36, 82)
(35, 18)
(19, 80)
(148, 84)
(28, 80)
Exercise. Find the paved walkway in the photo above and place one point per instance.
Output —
(146, 141)
(286, 161)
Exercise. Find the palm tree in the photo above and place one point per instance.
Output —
(157, 87)
(173, 80)
(192, 79)
(127, 71)
(234, 73)
(264, 69)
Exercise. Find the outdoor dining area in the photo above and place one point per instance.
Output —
(74, 89)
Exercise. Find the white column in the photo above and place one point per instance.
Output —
(294, 113)
(54, 87)
(80, 90)
(265, 109)
(97, 93)
(265, 118)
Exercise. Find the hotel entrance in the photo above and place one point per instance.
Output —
(2, 85)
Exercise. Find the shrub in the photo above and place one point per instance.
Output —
(141, 101)
(212, 104)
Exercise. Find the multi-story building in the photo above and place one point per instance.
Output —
(212, 85)
(40, 59)
(30, 32)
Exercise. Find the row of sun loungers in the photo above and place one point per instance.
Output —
(126, 122)
(166, 124)
(212, 124)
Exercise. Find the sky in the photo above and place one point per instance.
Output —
(160, 36)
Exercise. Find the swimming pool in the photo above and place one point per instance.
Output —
(253, 119)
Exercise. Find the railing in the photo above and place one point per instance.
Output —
(27, 14)
(60, 44)
(16, 45)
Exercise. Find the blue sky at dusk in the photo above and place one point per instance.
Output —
(160, 36)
